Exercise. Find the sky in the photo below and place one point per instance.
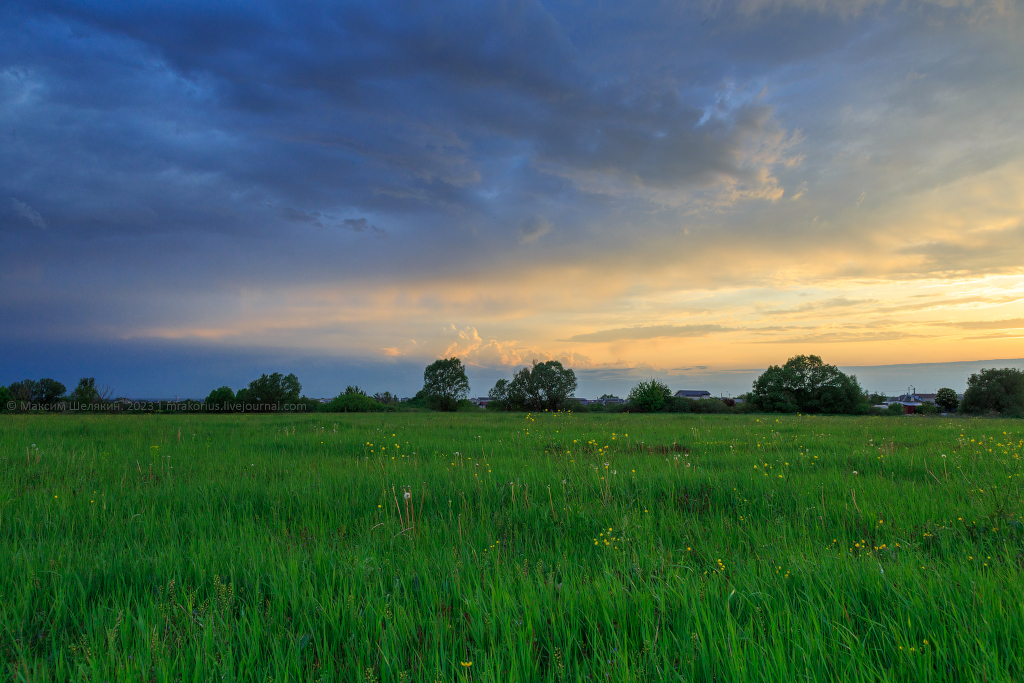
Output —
(193, 193)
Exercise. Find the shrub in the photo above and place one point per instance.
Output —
(709, 405)
(354, 403)
(678, 404)
(573, 405)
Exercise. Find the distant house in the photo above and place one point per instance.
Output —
(911, 400)
(693, 393)
(481, 402)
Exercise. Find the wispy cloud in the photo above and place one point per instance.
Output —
(28, 213)
(1009, 324)
(362, 225)
(649, 332)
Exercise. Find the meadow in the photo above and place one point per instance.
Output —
(510, 547)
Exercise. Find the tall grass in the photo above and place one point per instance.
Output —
(530, 548)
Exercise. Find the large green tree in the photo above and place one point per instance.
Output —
(995, 390)
(544, 386)
(221, 399)
(807, 384)
(23, 391)
(946, 399)
(499, 394)
(445, 384)
(273, 391)
(86, 392)
(649, 396)
(45, 390)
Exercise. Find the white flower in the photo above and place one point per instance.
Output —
(407, 495)
(855, 471)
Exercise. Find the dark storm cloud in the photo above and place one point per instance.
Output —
(202, 118)
(171, 116)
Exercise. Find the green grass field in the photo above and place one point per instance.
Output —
(540, 548)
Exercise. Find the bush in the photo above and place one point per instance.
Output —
(995, 391)
(574, 406)
(417, 402)
(746, 406)
(709, 405)
(895, 409)
(589, 408)
(678, 404)
(355, 402)
(447, 404)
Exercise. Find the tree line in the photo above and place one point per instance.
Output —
(804, 384)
